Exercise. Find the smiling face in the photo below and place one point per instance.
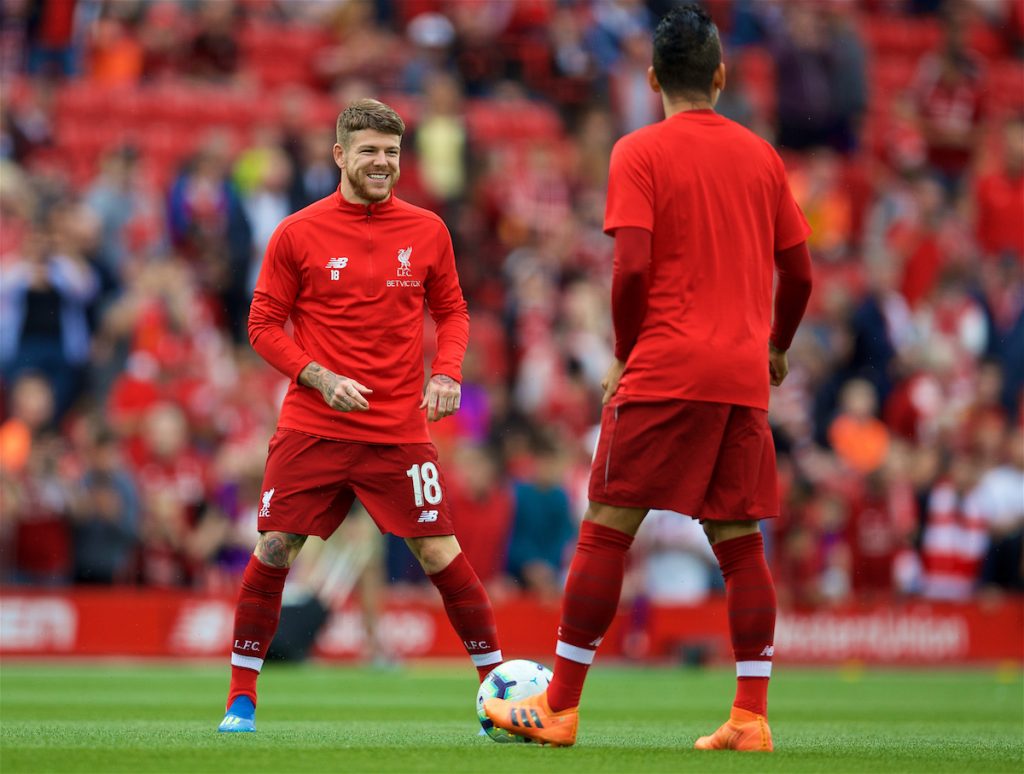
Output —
(369, 165)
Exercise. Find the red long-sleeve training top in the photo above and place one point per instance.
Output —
(354, 280)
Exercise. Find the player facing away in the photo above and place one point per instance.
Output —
(701, 213)
(353, 272)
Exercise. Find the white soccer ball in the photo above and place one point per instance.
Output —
(512, 680)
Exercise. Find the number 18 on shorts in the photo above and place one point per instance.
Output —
(313, 481)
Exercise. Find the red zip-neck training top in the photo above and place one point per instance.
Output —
(354, 279)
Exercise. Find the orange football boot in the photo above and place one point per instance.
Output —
(745, 731)
(532, 718)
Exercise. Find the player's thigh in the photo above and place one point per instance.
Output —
(658, 454)
(305, 485)
(403, 489)
(744, 485)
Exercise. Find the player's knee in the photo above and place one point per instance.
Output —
(626, 520)
(718, 531)
(710, 531)
(434, 553)
(278, 549)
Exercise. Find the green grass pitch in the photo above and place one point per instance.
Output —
(98, 718)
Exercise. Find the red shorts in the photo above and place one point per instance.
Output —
(711, 461)
(310, 483)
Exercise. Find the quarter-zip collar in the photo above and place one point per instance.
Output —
(376, 208)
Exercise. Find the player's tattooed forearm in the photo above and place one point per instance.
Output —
(319, 378)
(278, 549)
(445, 379)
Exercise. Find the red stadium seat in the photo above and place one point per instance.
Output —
(83, 100)
(897, 35)
(757, 75)
(278, 59)
(890, 75)
(520, 121)
(1005, 82)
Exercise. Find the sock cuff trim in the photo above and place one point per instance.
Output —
(575, 653)
(598, 534)
(276, 576)
(486, 659)
(753, 668)
(740, 544)
(247, 662)
(454, 572)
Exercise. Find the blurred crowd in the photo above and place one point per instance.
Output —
(149, 149)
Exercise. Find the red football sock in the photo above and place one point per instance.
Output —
(750, 597)
(589, 605)
(256, 615)
(469, 610)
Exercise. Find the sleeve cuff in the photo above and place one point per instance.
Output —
(452, 373)
(302, 367)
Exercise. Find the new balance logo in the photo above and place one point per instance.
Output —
(336, 265)
(427, 516)
(769, 651)
(265, 508)
(595, 643)
(230, 720)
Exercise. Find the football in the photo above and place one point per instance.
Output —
(512, 680)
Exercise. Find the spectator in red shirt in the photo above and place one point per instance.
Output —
(35, 539)
(948, 91)
(51, 34)
(174, 488)
(955, 535)
(481, 504)
(999, 199)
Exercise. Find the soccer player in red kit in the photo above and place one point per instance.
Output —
(701, 213)
(353, 272)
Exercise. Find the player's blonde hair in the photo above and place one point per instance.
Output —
(368, 114)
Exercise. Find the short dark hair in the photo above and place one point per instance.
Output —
(368, 114)
(687, 51)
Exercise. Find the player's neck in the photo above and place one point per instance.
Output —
(674, 105)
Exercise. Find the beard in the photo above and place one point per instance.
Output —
(360, 185)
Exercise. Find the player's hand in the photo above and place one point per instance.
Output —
(339, 392)
(347, 395)
(778, 365)
(441, 398)
(610, 383)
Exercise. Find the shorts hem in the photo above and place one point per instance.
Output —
(303, 531)
(620, 502)
(624, 502)
(650, 397)
(734, 517)
(364, 441)
(422, 535)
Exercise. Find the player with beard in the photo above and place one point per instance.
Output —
(353, 272)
